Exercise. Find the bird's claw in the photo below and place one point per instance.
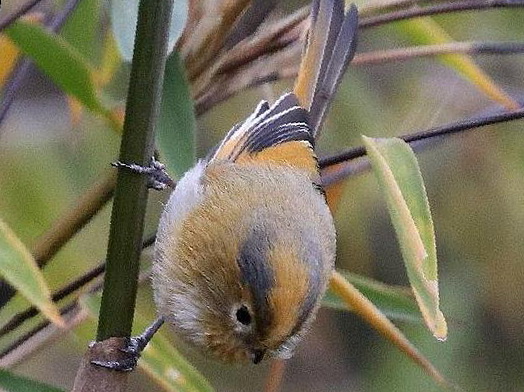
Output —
(158, 178)
(133, 347)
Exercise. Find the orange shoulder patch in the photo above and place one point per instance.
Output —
(298, 154)
(279, 134)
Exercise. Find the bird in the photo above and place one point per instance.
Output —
(246, 242)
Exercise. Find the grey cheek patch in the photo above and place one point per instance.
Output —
(313, 259)
(257, 274)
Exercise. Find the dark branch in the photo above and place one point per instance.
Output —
(39, 327)
(8, 20)
(460, 126)
(471, 48)
(454, 6)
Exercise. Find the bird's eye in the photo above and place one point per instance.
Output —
(243, 316)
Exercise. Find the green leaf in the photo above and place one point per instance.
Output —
(124, 15)
(160, 359)
(177, 123)
(19, 268)
(10, 382)
(399, 178)
(59, 60)
(395, 302)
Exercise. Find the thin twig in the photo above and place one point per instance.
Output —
(249, 22)
(471, 48)
(372, 7)
(67, 312)
(448, 129)
(45, 331)
(224, 86)
(275, 375)
(274, 38)
(8, 20)
(211, 37)
(454, 6)
(18, 76)
(19, 318)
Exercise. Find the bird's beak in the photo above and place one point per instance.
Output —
(258, 355)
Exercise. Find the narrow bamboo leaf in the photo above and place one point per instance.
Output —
(10, 382)
(395, 302)
(399, 178)
(426, 31)
(59, 60)
(176, 123)
(19, 268)
(124, 15)
(160, 360)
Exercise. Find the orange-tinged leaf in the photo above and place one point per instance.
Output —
(8, 58)
(395, 302)
(111, 60)
(373, 316)
(75, 110)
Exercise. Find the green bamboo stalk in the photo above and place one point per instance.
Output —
(127, 219)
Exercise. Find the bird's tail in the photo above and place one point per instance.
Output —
(330, 47)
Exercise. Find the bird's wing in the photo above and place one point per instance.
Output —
(277, 134)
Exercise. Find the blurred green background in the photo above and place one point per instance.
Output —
(475, 184)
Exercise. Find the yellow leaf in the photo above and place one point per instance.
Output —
(8, 59)
(427, 31)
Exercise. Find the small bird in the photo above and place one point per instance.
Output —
(246, 243)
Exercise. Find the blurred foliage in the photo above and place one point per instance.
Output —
(475, 184)
(10, 382)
